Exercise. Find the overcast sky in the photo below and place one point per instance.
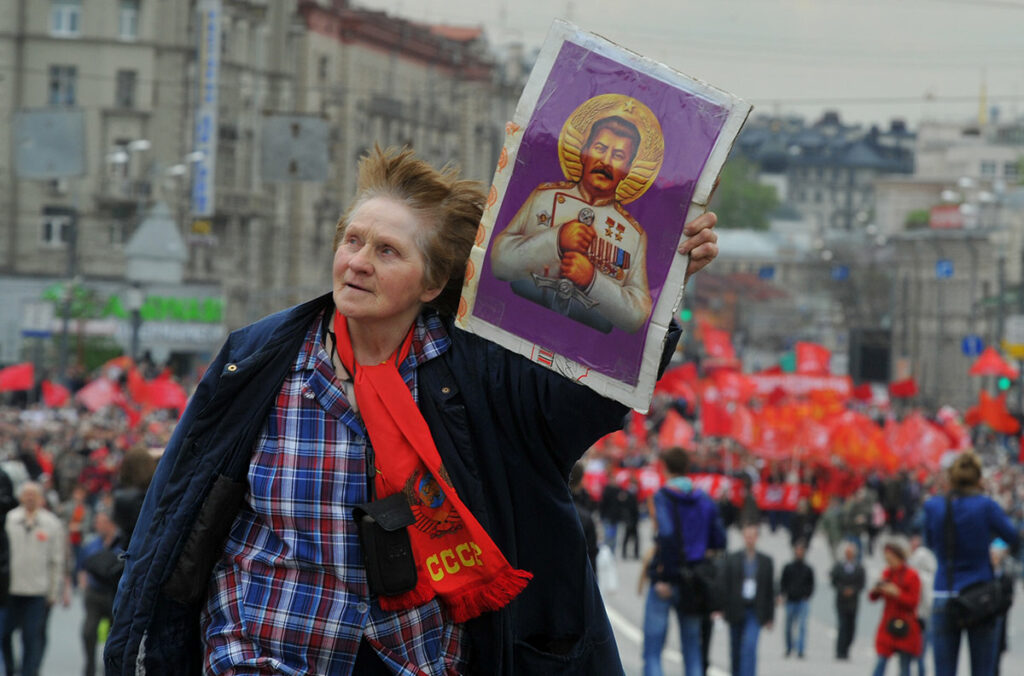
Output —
(871, 59)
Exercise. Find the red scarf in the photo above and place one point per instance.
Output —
(455, 558)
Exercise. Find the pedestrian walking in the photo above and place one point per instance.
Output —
(898, 632)
(924, 564)
(8, 501)
(796, 586)
(1001, 567)
(37, 544)
(631, 520)
(961, 546)
(749, 585)
(848, 579)
(98, 570)
(688, 530)
(612, 508)
(585, 508)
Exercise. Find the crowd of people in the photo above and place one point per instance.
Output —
(71, 486)
(929, 562)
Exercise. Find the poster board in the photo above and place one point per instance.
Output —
(575, 265)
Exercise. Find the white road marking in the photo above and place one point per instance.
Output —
(635, 635)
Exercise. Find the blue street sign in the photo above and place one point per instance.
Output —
(766, 272)
(972, 345)
(840, 273)
(943, 268)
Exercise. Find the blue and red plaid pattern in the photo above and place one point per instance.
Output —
(289, 596)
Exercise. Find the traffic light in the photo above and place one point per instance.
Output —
(686, 314)
(1004, 383)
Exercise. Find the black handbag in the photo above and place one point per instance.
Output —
(387, 550)
(701, 588)
(897, 627)
(980, 602)
(105, 566)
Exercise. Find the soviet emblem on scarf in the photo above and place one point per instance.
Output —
(434, 513)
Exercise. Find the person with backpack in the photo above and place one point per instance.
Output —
(689, 531)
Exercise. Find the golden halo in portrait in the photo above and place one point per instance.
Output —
(648, 158)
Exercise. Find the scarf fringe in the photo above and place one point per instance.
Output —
(466, 604)
(492, 595)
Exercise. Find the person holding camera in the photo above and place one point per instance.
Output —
(898, 632)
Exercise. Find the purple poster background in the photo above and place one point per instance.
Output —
(690, 125)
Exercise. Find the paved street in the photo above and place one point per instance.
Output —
(625, 608)
(64, 653)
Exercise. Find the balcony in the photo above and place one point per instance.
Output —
(116, 189)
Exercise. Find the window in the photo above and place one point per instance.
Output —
(128, 20)
(65, 17)
(56, 231)
(988, 168)
(62, 85)
(321, 69)
(1011, 171)
(124, 96)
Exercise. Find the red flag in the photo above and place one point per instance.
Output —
(715, 420)
(812, 359)
(993, 412)
(97, 394)
(718, 346)
(744, 427)
(679, 383)
(164, 394)
(991, 363)
(863, 392)
(733, 386)
(903, 389)
(54, 395)
(675, 431)
(17, 377)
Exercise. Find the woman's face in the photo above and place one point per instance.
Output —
(378, 269)
(891, 559)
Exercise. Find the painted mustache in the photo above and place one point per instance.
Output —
(602, 171)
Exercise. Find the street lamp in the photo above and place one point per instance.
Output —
(134, 299)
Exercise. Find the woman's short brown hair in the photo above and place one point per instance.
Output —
(452, 205)
(965, 471)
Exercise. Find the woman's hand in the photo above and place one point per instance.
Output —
(701, 243)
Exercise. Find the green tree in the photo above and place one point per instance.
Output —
(740, 200)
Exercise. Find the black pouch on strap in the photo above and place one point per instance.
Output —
(387, 552)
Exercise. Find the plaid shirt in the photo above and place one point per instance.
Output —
(289, 596)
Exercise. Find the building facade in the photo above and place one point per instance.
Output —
(138, 74)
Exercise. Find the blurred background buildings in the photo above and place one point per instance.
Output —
(897, 247)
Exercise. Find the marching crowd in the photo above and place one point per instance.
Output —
(71, 486)
(934, 569)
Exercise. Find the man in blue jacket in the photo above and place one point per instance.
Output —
(689, 531)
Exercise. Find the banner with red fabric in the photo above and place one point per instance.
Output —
(17, 377)
(676, 431)
(800, 384)
(812, 359)
(715, 420)
(55, 395)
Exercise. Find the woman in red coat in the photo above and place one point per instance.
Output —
(898, 632)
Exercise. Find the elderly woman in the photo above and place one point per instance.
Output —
(358, 487)
(975, 520)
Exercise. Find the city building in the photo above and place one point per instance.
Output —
(130, 72)
(174, 100)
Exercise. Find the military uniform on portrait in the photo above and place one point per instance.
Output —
(528, 255)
